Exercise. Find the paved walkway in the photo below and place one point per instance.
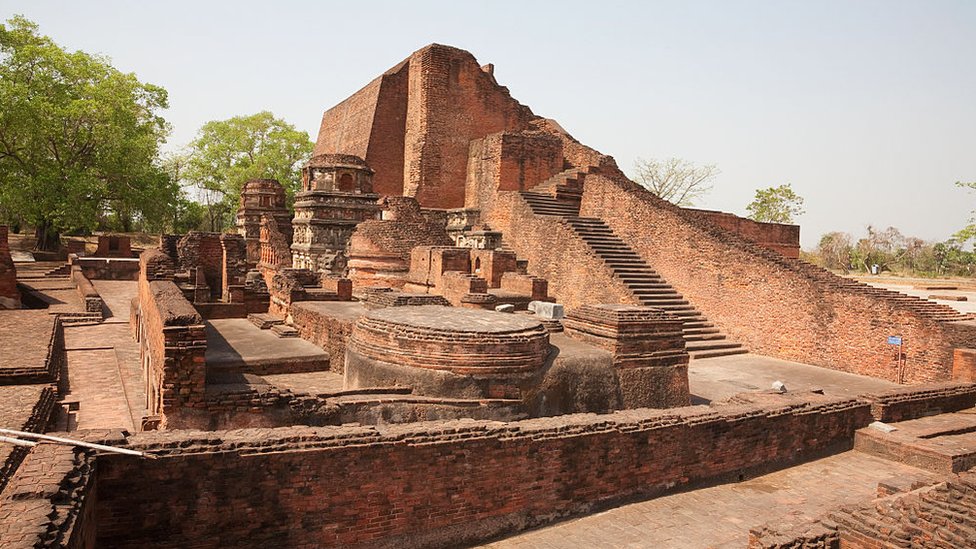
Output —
(721, 516)
(716, 379)
(103, 365)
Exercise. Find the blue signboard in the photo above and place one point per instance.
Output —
(894, 340)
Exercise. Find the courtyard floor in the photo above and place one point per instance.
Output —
(721, 516)
(717, 379)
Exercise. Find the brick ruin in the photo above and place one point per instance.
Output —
(471, 326)
(9, 294)
(259, 198)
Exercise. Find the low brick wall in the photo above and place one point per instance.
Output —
(440, 484)
(942, 515)
(86, 291)
(922, 400)
(328, 332)
(173, 344)
(50, 501)
(42, 401)
(104, 268)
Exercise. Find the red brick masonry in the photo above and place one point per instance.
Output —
(444, 483)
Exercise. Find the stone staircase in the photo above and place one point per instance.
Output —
(58, 272)
(277, 326)
(702, 338)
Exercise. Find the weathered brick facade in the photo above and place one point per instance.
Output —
(443, 484)
(413, 124)
(778, 306)
(173, 343)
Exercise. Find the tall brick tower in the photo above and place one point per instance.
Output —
(260, 197)
(337, 193)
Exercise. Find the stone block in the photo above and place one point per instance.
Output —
(547, 310)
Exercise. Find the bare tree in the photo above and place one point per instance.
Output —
(675, 180)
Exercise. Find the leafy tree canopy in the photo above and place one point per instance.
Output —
(226, 153)
(78, 137)
(775, 205)
(675, 180)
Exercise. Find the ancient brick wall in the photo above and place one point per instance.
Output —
(86, 290)
(203, 251)
(371, 125)
(943, 515)
(173, 343)
(510, 162)
(452, 101)
(113, 246)
(921, 400)
(50, 501)
(779, 237)
(328, 332)
(555, 253)
(9, 294)
(379, 250)
(442, 484)
(774, 305)
(102, 268)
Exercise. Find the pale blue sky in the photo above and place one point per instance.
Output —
(867, 107)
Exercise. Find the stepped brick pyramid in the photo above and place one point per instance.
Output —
(438, 127)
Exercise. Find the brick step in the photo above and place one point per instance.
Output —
(602, 250)
(652, 286)
(637, 275)
(264, 320)
(284, 330)
(643, 280)
(698, 355)
(63, 270)
(688, 313)
(704, 337)
(711, 346)
(699, 331)
(662, 303)
(697, 324)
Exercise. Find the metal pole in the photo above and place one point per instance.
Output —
(17, 441)
(72, 442)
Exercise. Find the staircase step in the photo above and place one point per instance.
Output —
(284, 330)
(264, 320)
(704, 337)
(711, 346)
(698, 355)
(661, 303)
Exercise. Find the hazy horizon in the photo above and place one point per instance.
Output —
(866, 108)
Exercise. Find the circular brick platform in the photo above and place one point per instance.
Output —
(446, 351)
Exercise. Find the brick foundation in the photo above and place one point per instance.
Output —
(444, 484)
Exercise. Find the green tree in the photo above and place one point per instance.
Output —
(226, 153)
(78, 138)
(834, 250)
(969, 231)
(775, 205)
(677, 181)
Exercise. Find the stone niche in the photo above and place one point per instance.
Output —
(446, 352)
(648, 351)
(337, 194)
